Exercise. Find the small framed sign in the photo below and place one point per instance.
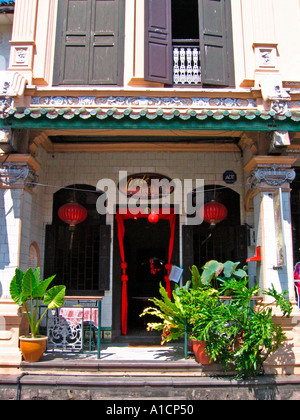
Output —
(229, 177)
(175, 273)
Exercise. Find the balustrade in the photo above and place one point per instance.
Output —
(186, 63)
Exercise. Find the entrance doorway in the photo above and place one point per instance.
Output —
(143, 255)
(146, 248)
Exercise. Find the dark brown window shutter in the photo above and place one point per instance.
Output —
(187, 251)
(241, 233)
(158, 41)
(49, 258)
(216, 42)
(89, 42)
(72, 42)
(104, 259)
(107, 42)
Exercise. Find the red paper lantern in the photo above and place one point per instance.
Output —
(72, 213)
(214, 213)
(153, 217)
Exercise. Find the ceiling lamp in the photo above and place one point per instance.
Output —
(214, 213)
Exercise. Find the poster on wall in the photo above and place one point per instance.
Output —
(278, 216)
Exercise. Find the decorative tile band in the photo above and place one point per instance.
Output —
(142, 101)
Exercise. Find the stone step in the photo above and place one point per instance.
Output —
(125, 368)
(35, 386)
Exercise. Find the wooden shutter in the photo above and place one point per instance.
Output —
(89, 42)
(49, 255)
(216, 42)
(241, 243)
(158, 41)
(107, 27)
(73, 40)
(104, 259)
(187, 251)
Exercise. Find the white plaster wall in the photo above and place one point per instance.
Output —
(5, 37)
(281, 278)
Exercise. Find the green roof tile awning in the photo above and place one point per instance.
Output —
(148, 118)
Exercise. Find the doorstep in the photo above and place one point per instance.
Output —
(126, 360)
(31, 386)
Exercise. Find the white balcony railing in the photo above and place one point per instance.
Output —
(186, 65)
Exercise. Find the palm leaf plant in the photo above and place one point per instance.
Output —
(29, 291)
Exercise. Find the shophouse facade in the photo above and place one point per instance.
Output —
(99, 94)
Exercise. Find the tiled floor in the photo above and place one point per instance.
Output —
(128, 352)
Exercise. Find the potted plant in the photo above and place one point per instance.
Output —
(171, 316)
(249, 333)
(218, 309)
(202, 308)
(174, 322)
(236, 333)
(29, 291)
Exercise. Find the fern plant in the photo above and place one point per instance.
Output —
(236, 333)
(173, 317)
(171, 314)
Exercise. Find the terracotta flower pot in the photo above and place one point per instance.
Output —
(32, 349)
(199, 349)
(190, 344)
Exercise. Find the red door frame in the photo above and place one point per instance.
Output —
(140, 213)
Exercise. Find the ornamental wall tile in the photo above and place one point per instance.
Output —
(143, 102)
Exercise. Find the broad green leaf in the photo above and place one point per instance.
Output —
(229, 268)
(55, 297)
(16, 287)
(210, 271)
(40, 290)
(37, 275)
(29, 284)
(240, 273)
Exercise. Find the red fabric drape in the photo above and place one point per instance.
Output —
(124, 278)
(172, 219)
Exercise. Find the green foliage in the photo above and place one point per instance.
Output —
(28, 288)
(210, 272)
(170, 313)
(236, 333)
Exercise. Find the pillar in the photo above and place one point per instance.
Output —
(17, 177)
(23, 37)
(271, 177)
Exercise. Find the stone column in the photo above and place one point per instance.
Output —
(17, 177)
(269, 176)
(23, 37)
